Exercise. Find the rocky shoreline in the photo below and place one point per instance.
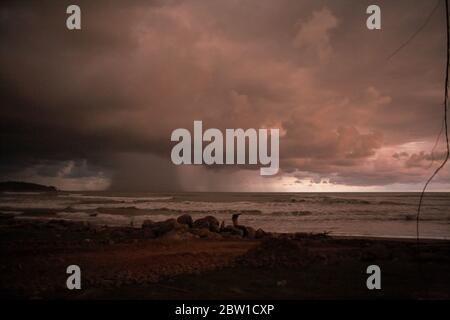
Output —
(182, 228)
(204, 258)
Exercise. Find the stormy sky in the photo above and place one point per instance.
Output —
(94, 109)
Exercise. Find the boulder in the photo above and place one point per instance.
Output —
(177, 236)
(205, 233)
(186, 219)
(250, 233)
(163, 227)
(260, 233)
(209, 222)
(233, 231)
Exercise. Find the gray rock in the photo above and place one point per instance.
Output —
(186, 219)
(163, 227)
(250, 233)
(260, 233)
(205, 233)
(175, 235)
(208, 222)
(233, 231)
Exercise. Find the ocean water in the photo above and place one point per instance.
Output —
(354, 214)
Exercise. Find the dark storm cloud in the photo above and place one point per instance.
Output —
(110, 95)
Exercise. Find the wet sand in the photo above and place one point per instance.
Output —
(130, 263)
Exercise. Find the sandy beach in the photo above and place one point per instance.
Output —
(172, 260)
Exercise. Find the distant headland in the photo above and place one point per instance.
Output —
(21, 186)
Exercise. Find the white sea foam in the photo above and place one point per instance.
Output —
(15, 213)
(21, 193)
(103, 219)
(25, 204)
(114, 198)
(366, 214)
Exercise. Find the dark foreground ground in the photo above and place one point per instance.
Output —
(132, 263)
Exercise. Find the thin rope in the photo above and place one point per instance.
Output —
(445, 124)
(411, 38)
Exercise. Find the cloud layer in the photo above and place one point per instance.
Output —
(94, 108)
